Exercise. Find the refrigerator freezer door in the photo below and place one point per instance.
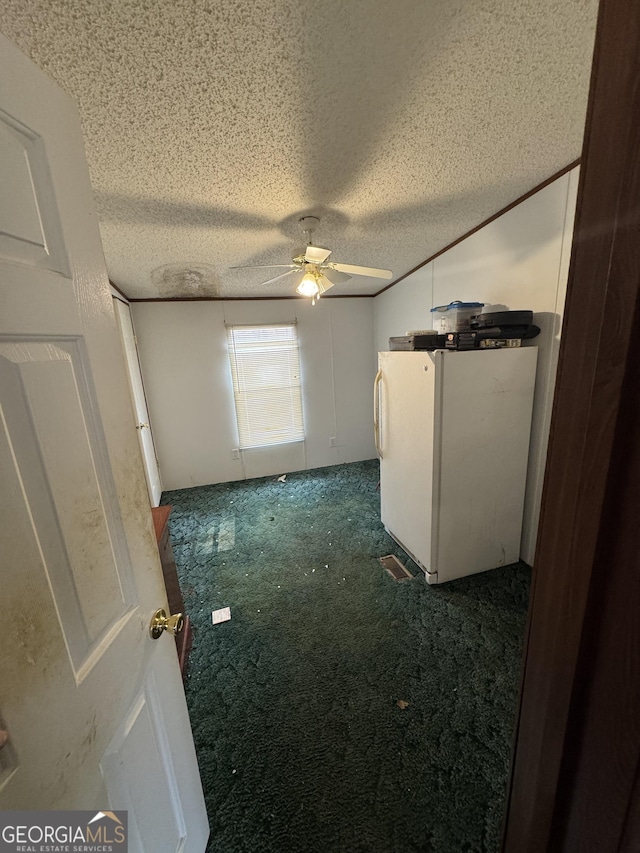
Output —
(406, 390)
(485, 405)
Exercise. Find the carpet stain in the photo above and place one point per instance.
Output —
(339, 711)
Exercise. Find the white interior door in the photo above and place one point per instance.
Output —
(94, 708)
(141, 413)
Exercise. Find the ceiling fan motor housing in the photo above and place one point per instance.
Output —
(308, 224)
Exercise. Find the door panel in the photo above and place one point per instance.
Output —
(84, 551)
(29, 230)
(139, 751)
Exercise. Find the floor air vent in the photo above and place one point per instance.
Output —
(395, 568)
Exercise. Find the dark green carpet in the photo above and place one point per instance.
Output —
(301, 744)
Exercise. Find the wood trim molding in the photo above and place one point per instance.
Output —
(246, 298)
(117, 289)
(493, 217)
(577, 744)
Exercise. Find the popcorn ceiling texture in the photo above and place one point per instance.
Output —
(211, 127)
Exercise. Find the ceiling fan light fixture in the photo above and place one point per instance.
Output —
(318, 273)
(308, 286)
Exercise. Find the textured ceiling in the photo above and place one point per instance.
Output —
(211, 126)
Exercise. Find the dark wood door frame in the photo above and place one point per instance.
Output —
(575, 782)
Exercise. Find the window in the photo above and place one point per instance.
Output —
(265, 368)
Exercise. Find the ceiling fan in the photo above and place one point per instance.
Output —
(315, 271)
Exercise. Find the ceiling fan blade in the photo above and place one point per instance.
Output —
(278, 277)
(316, 255)
(325, 283)
(371, 271)
(264, 267)
(334, 276)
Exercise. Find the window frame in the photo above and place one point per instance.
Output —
(244, 396)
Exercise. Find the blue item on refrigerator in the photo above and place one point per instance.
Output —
(458, 304)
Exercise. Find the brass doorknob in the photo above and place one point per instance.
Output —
(161, 622)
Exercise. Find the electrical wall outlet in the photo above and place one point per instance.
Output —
(332, 441)
(235, 453)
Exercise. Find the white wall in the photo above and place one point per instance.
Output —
(183, 353)
(520, 260)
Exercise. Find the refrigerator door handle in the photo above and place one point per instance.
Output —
(376, 412)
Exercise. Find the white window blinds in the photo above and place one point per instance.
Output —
(265, 368)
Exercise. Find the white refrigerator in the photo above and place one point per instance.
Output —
(452, 431)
